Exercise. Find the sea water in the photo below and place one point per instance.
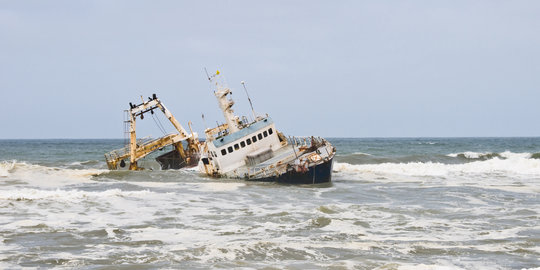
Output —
(421, 203)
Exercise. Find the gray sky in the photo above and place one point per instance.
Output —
(332, 68)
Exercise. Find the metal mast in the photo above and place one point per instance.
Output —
(225, 104)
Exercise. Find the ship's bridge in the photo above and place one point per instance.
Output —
(252, 128)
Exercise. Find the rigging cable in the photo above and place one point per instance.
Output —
(159, 125)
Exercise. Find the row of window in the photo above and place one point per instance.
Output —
(249, 141)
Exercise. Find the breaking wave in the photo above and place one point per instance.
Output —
(361, 154)
(453, 158)
(475, 155)
(6, 167)
(505, 163)
(46, 176)
(86, 164)
(491, 155)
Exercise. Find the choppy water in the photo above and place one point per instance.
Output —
(393, 204)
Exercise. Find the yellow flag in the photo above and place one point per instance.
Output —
(217, 72)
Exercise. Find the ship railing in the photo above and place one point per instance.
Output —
(305, 141)
(117, 154)
(123, 152)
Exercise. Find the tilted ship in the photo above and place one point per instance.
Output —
(258, 151)
(251, 150)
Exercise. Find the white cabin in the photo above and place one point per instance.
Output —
(234, 150)
(236, 143)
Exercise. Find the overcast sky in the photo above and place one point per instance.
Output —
(68, 69)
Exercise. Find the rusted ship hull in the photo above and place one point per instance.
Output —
(173, 160)
(317, 174)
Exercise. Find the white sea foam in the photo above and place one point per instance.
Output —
(81, 210)
(6, 167)
(495, 166)
(471, 155)
(477, 155)
(427, 267)
(217, 186)
(516, 171)
(43, 176)
(361, 153)
(191, 169)
(344, 226)
(428, 143)
(202, 223)
(195, 237)
(175, 236)
(154, 184)
(511, 155)
(75, 163)
(64, 195)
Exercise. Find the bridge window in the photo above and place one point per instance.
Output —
(236, 147)
(254, 138)
(270, 131)
(260, 136)
(243, 144)
(248, 141)
(265, 133)
(230, 149)
(223, 152)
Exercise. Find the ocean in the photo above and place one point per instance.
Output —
(394, 203)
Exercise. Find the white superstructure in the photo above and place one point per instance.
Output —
(237, 144)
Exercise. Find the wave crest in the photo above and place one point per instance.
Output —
(475, 155)
(6, 167)
(490, 155)
(39, 175)
(508, 163)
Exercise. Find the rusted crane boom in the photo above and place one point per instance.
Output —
(137, 150)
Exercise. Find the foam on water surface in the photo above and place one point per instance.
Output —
(463, 208)
(514, 164)
(6, 167)
(43, 176)
(516, 173)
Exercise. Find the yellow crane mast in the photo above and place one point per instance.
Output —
(136, 150)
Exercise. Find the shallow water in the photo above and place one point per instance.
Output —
(423, 203)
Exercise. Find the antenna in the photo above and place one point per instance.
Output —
(249, 99)
(208, 76)
(204, 121)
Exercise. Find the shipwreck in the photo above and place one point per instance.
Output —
(239, 148)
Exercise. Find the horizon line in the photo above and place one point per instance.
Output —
(326, 137)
